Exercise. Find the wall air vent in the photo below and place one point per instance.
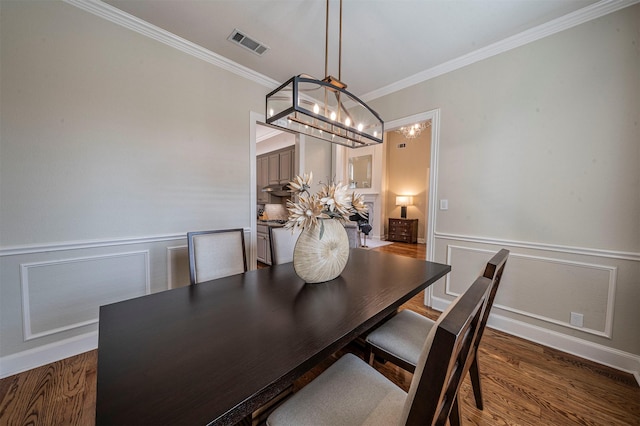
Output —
(247, 42)
(402, 145)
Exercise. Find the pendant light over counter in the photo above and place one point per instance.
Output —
(324, 108)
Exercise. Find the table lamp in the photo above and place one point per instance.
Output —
(403, 201)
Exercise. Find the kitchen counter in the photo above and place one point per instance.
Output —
(272, 223)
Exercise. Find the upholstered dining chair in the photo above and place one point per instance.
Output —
(216, 254)
(351, 392)
(283, 241)
(400, 339)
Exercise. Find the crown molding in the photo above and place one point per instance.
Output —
(268, 134)
(567, 21)
(119, 17)
(570, 20)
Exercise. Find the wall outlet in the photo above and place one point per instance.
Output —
(444, 204)
(577, 319)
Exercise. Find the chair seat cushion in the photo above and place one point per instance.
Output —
(350, 392)
(403, 335)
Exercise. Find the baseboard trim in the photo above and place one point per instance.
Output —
(42, 355)
(620, 360)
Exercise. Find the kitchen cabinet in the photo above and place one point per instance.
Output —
(403, 230)
(264, 245)
(286, 166)
(281, 165)
(262, 177)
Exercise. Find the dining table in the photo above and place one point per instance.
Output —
(214, 352)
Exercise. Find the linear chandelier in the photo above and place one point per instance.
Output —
(413, 131)
(324, 108)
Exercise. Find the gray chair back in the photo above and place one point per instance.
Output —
(282, 241)
(216, 254)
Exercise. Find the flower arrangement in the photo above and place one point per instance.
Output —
(331, 202)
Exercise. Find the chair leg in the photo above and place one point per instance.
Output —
(474, 374)
(371, 356)
(454, 416)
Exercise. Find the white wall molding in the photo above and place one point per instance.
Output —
(128, 21)
(586, 251)
(45, 354)
(615, 358)
(565, 22)
(87, 244)
(28, 309)
(611, 289)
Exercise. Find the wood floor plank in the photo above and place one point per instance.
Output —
(523, 383)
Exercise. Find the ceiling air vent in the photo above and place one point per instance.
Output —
(247, 42)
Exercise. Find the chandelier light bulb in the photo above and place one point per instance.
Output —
(347, 122)
(333, 115)
(360, 127)
(316, 109)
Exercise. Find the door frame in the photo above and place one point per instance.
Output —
(432, 184)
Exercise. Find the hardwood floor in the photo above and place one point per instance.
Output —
(523, 384)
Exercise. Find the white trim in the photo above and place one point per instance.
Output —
(585, 251)
(45, 354)
(24, 284)
(254, 119)
(86, 244)
(557, 25)
(615, 358)
(432, 184)
(119, 17)
(269, 133)
(611, 290)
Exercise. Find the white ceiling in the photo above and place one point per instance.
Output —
(384, 41)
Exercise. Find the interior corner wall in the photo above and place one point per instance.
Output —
(113, 146)
(538, 152)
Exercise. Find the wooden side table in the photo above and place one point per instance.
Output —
(403, 230)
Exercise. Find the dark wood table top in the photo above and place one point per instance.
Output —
(216, 351)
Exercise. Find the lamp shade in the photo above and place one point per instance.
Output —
(404, 200)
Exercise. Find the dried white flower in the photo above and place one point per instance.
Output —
(331, 202)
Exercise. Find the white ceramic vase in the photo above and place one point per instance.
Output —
(316, 259)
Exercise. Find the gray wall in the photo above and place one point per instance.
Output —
(539, 152)
(113, 146)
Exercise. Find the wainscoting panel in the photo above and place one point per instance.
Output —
(64, 294)
(177, 266)
(545, 288)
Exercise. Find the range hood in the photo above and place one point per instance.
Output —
(278, 190)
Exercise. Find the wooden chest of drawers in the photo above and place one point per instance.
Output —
(403, 230)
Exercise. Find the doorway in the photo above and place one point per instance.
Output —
(429, 158)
